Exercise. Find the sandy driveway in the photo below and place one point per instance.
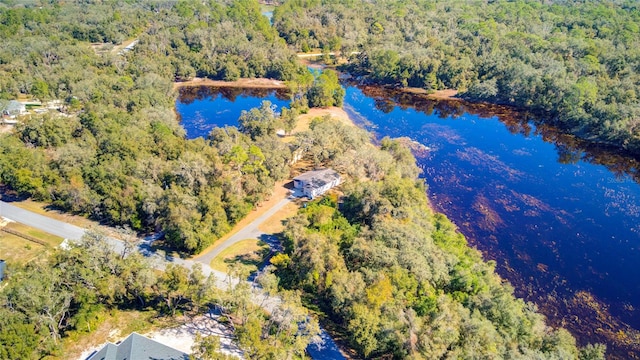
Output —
(5, 128)
(183, 337)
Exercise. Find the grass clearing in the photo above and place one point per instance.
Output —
(246, 254)
(304, 120)
(335, 113)
(275, 224)
(24, 97)
(50, 240)
(18, 250)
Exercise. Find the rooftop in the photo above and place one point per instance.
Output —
(313, 183)
(323, 174)
(136, 346)
(14, 106)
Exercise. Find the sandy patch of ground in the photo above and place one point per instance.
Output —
(5, 128)
(4, 221)
(85, 354)
(116, 327)
(117, 48)
(311, 63)
(242, 83)
(448, 94)
(183, 337)
(335, 112)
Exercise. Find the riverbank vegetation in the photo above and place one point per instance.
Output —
(397, 278)
(575, 63)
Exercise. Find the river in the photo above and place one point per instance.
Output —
(560, 217)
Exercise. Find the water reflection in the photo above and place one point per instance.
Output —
(189, 94)
(559, 215)
(201, 108)
(570, 149)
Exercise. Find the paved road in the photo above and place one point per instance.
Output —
(326, 350)
(43, 223)
(250, 231)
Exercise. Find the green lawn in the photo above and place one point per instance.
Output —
(246, 254)
(17, 250)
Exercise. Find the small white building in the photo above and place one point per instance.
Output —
(316, 182)
(14, 108)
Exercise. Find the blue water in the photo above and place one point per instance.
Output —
(556, 222)
(554, 228)
(209, 107)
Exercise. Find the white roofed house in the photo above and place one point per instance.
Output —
(316, 182)
(13, 108)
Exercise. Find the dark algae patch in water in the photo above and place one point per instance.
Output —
(559, 215)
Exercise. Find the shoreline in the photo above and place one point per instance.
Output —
(446, 94)
(260, 83)
(437, 95)
(264, 83)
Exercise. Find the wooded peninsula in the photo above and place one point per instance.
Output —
(392, 277)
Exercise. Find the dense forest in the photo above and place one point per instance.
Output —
(72, 292)
(574, 62)
(117, 152)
